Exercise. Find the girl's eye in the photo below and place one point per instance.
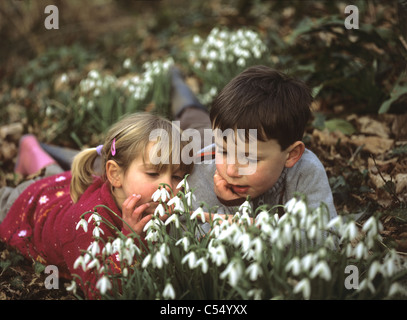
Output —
(152, 174)
(178, 177)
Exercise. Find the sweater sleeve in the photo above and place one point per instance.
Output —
(91, 243)
(96, 252)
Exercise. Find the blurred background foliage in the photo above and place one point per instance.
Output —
(362, 70)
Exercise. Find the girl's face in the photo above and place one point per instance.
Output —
(143, 179)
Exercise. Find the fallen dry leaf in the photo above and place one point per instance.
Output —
(372, 144)
(372, 126)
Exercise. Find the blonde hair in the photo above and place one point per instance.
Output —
(131, 135)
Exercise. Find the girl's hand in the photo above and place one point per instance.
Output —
(133, 215)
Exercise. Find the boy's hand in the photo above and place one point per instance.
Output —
(223, 190)
(133, 216)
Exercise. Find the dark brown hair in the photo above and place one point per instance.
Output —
(265, 99)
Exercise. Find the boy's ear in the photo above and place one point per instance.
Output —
(294, 154)
(114, 173)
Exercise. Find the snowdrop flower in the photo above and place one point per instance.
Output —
(373, 270)
(96, 218)
(245, 218)
(184, 184)
(351, 231)
(94, 264)
(361, 251)
(245, 208)
(262, 218)
(189, 197)
(103, 284)
(127, 255)
(127, 63)
(159, 211)
(161, 193)
(93, 74)
(107, 249)
(217, 218)
(218, 255)
(255, 293)
(159, 259)
(307, 261)
(304, 287)
(82, 223)
(184, 241)
(321, 269)
(335, 222)
(257, 243)
(370, 226)
(191, 258)
(72, 287)
(169, 292)
(198, 212)
(210, 66)
(146, 261)
(254, 271)
(117, 245)
(244, 240)
(203, 263)
(173, 218)
(312, 232)
(80, 262)
(97, 231)
(394, 289)
(196, 39)
(177, 202)
(294, 265)
(153, 224)
(233, 271)
(241, 62)
(153, 236)
(366, 283)
(94, 248)
(297, 207)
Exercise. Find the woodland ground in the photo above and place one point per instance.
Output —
(364, 153)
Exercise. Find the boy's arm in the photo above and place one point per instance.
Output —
(311, 180)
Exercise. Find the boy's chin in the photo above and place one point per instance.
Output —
(232, 203)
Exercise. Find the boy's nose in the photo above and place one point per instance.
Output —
(232, 170)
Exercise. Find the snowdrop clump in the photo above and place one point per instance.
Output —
(134, 87)
(253, 254)
(222, 54)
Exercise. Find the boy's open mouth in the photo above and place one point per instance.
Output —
(239, 189)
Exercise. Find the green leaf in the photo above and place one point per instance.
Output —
(340, 124)
(38, 267)
(399, 89)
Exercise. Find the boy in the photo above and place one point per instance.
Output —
(278, 108)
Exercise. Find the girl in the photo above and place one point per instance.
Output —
(42, 221)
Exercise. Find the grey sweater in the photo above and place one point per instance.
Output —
(307, 177)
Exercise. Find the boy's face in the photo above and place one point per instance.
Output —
(270, 162)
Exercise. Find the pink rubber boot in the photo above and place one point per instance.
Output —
(31, 157)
